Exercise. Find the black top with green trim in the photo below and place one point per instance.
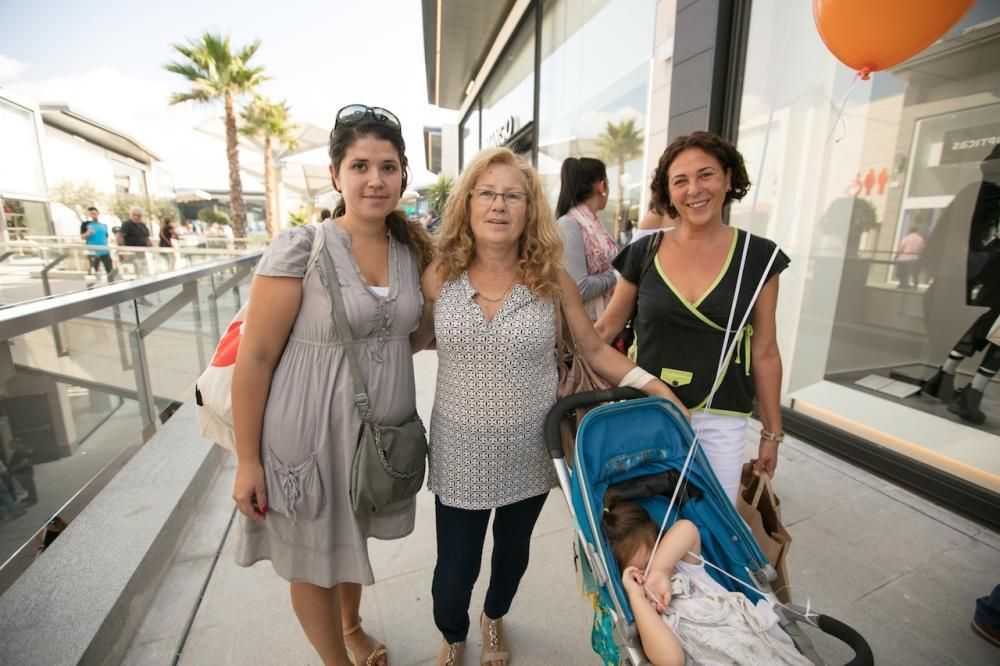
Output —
(680, 342)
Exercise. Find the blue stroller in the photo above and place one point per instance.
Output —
(631, 442)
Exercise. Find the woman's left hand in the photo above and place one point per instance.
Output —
(767, 458)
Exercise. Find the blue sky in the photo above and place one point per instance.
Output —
(106, 58)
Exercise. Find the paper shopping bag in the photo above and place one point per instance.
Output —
(760, 508)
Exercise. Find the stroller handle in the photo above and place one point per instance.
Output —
(553, 439)
(862, 651)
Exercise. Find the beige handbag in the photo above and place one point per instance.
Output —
(575, 376)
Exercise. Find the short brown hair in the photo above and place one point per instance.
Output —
(628, 527)
(713, 144)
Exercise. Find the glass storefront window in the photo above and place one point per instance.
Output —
(891, 217)
(20, 159)
(509, 94)
(128, 178)
(470, 135)
(25, 218)
(594, 88)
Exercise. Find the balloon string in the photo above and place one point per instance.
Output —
(841, 107)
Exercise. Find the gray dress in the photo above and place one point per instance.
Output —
(311, 423)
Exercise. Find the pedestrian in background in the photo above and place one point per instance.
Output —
(95, 232)
(23, 469)
(587, 246)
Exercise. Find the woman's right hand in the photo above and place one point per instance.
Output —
(250, 490)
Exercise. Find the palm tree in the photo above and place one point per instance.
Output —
(619, 143)
(264, 118)
(437, 194)
(217, 72)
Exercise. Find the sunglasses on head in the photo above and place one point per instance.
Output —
(355, 113)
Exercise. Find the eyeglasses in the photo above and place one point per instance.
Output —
(487, 197)
(355, 113)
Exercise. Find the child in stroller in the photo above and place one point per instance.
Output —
(679, 609)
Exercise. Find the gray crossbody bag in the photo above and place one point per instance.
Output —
(389, 461)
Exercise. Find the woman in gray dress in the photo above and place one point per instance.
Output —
(494, 293)
(296, 422)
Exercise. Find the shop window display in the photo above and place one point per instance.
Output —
(890, 214)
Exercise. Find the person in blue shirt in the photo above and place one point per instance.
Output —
(95, 232)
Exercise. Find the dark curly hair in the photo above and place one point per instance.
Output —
(714, 145)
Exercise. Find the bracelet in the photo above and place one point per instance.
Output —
(636, 378)
(772, 436)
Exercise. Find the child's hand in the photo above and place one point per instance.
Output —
(657, 588)
(632, 581)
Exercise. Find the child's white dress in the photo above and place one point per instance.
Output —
(716, 626)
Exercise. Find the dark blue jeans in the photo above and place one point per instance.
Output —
(988, 610)
(460, 537)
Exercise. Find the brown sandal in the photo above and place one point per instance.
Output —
(493, 641)
(376, 655)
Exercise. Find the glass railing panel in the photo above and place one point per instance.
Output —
(43, 266)
(78, 398)
(29, 271)
(178, 350)
(69, 410)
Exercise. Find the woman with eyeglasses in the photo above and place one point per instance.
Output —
(589, 248)
(295, 417)
(491, 299)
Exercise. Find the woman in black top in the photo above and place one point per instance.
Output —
(682, 292)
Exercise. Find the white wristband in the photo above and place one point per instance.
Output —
(636, 378)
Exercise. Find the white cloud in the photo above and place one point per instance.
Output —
(10, 69)
(139, 108)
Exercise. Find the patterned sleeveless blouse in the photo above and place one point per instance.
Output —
(495, 385)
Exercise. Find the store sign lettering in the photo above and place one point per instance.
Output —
(969, 145)
(502, 134)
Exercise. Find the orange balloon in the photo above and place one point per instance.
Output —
(872, 35)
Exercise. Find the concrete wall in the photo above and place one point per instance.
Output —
(696, 56)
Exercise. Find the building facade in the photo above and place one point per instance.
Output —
(888, 210)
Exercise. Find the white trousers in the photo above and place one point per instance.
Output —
(723, 439)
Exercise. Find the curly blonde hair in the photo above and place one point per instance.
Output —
(540, 246)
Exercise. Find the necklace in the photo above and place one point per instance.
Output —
(496, 300)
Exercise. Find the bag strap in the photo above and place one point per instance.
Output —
(763, 483)
(319, 242)
(648, 257)
(340, 321)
